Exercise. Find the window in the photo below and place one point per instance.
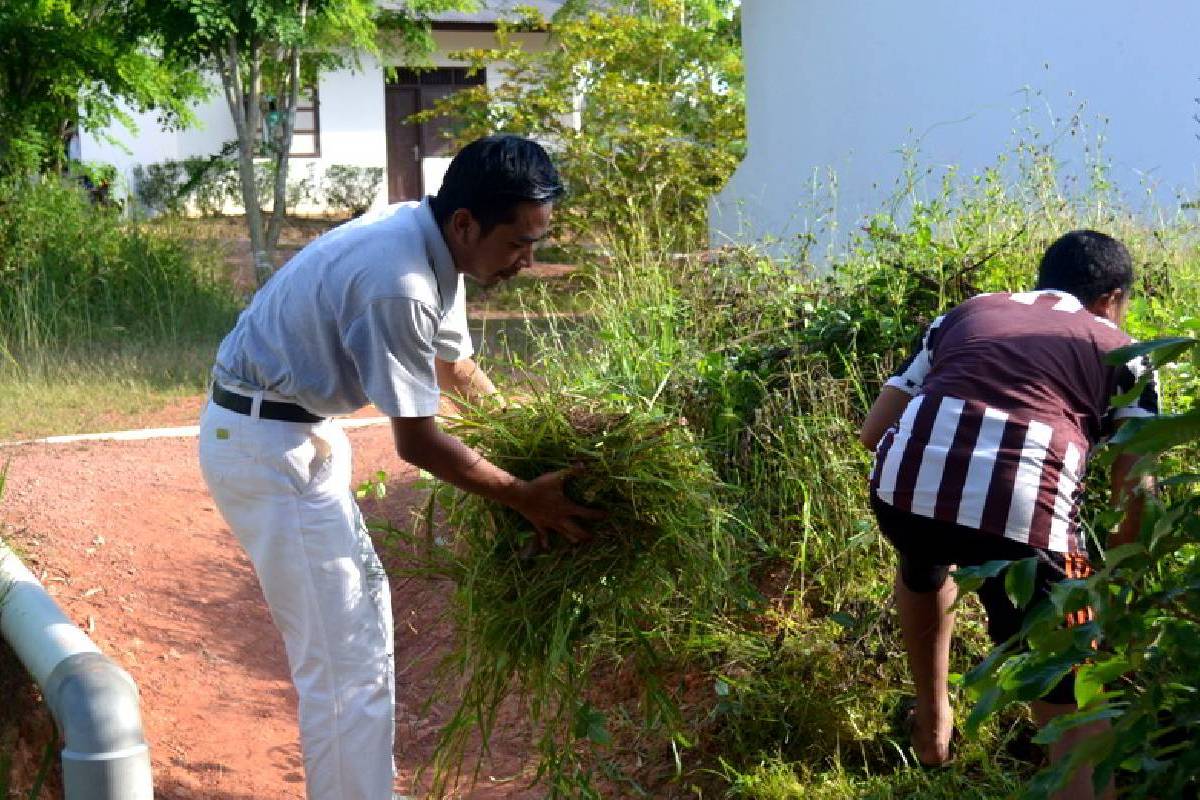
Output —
(306, 132)
(306, 135)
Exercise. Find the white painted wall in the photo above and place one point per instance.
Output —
(351, 122)
(844, 85)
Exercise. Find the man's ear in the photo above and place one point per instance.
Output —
(462, 226)
(1108, 305)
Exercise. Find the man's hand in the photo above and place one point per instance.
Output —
(544, 503)
(420, 442)
(464, 380)
(1128, 492)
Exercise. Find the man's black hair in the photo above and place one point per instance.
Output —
(490, 176)
(1086, 263)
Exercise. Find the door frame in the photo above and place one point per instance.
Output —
(408, 78)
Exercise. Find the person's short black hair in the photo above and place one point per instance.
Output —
(1086, 263)
(490, 176)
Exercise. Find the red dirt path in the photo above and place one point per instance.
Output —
(126, 537)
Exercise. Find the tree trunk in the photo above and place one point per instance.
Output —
(243, 106)
(283, 145)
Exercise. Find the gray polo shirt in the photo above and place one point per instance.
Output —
(356, 317)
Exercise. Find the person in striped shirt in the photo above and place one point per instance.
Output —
(981, 441)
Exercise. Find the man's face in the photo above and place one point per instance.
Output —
(506, 249)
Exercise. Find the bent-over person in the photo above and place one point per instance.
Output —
(981, 441)
(371, 312)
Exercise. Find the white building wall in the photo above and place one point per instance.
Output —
(845, 85)
(352, 129)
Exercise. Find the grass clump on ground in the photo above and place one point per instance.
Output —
(537, 624)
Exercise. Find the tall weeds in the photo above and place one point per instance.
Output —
(772, 366)
(74, 274)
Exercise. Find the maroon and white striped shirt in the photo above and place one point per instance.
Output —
(1010, 392)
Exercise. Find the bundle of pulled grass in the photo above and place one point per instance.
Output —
(537, 624)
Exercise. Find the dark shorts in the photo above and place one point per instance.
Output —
(927, 548)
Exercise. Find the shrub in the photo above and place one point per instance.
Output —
(352, 189)
(157, 187)
(641, 103)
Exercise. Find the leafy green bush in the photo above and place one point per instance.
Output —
(642, 105)
(1136, 663)
(210, 184)
(351, 189)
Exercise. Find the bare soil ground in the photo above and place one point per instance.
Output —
(126, 538)
(128, 541)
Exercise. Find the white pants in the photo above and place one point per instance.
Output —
(284, 490)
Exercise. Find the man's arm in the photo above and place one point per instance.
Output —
(885, 412)
(420, 442)
(464, 380)
(1130, 494)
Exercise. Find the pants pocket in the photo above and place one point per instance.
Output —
(308, 462)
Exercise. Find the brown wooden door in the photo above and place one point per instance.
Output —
(403, 144)
(434, 141)
(410, 91)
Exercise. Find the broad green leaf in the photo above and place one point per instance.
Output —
(971, 578)
(1125, 398)
(589, 724)
(1060, 725)
(1090, 679)
(1019, 581)
(1036, 674)
(1119, 555)
(982, 676)
(1157, 434)
(984, 707)
(1162, 351)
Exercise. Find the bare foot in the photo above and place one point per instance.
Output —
(931, 732)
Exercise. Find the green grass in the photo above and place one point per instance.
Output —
(536, 624)
(100, 388)
(102, 320)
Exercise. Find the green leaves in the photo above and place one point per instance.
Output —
(1137, 664)
(644, 98)
(77, 62)
(969, 579)
(1091, 678)
(1158, 434)
(589, 724)
(1019, 581)
(1161, 351)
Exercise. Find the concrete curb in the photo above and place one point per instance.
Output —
(162, 433)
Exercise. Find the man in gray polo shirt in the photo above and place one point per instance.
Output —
(371, 312)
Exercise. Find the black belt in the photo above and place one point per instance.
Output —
(270, 409)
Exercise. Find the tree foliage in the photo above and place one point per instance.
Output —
(81, 64)
(642, 103)
(265, 52)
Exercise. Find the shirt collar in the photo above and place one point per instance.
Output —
(439, 255)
